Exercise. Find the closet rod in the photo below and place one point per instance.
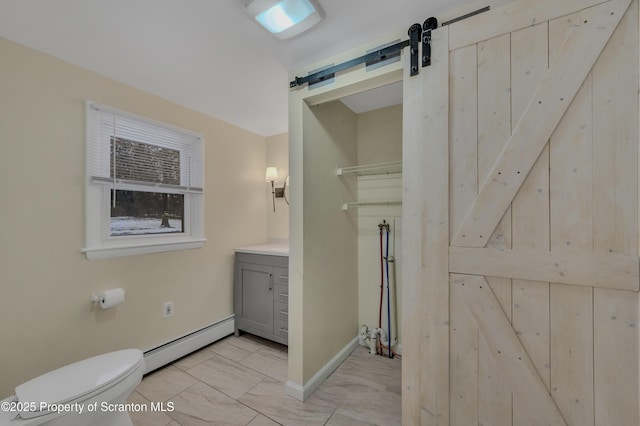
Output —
(346, 206)
(380, 168)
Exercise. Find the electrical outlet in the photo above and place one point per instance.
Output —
(167, 310)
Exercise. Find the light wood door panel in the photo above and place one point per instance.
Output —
(521, 215)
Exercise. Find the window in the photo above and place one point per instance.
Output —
(144, 187)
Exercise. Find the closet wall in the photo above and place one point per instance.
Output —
(330, 294)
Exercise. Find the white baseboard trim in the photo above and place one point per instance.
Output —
(303, 392)
(172, 350)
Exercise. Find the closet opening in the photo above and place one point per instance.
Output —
(353, 185)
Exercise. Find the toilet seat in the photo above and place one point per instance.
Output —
(76, 382)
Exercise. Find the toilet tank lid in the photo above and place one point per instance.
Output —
(71, 382)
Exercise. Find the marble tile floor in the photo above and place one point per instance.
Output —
(240, 381)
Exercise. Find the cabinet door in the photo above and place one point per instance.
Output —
(254, 301)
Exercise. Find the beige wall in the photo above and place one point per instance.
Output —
(47, 318)
(380, 135)
(278, 156)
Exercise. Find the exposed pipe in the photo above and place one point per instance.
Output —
(394, 287)
(385, 344)
(388, 291)
(383, 337)
(394, 354)
(377, 337)
(380, 225)
(373, 341)
(376, 340)
(369, 337)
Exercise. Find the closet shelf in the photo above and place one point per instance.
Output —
(372, 169)
(346, 206)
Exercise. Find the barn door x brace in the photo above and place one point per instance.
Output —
(417, 33)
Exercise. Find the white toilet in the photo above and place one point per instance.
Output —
(89, 392)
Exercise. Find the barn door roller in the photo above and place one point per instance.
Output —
(429, 24)
(414, 40)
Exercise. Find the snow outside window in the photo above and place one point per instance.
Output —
(145, 185)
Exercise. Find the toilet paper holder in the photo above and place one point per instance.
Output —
(108, 298)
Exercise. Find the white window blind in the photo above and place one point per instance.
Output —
(147, 153)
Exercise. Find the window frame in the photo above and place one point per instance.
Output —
(99, 243)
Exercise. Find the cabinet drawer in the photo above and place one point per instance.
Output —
(281, 293)
(281, 328)
(281, 310)
(281, 276)
(261, 259)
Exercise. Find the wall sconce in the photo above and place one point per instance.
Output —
(272, 176)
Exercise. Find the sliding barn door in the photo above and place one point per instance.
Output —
(521, 219)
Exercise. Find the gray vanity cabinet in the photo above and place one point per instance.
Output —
(261, 295)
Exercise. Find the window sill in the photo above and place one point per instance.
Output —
(131, 250)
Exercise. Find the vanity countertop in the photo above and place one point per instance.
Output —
(272, 249)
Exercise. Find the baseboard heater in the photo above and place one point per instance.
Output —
(175, 349)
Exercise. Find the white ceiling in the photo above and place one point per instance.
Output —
(380, 97)
(207, 55)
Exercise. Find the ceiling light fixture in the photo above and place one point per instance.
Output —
(284, 18)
